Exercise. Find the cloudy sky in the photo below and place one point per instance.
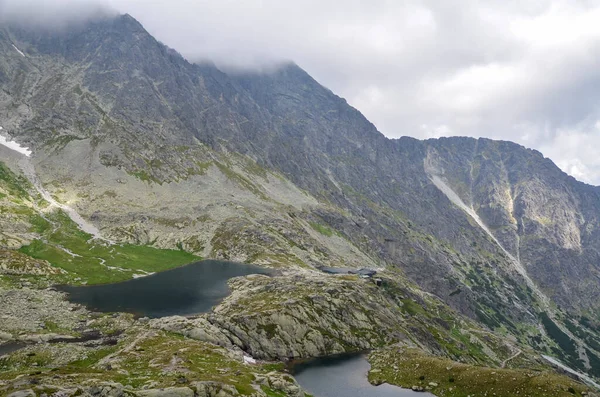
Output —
(526, 71)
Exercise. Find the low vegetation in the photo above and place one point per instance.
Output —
(446, 378)
(11, 183)
(324, 230)
(150, 359)
(65, 246)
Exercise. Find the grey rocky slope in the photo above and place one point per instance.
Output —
(277, 170)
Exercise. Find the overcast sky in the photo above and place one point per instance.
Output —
(526, 71)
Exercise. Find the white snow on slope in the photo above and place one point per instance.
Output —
(14, 145)
(144, 274)
(581, 376)
(29, 172)
(19, 51)
(249, 360)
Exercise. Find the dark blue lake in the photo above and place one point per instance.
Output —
(187, 290)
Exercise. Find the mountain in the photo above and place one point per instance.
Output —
(275, 169)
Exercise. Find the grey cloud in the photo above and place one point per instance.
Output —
(522, 71)
(52, 13)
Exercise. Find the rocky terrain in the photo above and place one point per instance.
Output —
(70, 351)
(420, 372)
(485, 248)
(63, 349)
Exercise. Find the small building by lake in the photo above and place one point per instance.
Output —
(363, 272)
(366, 272)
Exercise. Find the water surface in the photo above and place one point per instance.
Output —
(344, 376)
(10, 347)
(190, 289)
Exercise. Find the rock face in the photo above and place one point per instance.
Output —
(309, 317)
(542, 216)
(296, 317)
(277, 170)
(312, 315)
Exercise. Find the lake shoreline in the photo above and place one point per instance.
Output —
(343, 375)
(186, 290)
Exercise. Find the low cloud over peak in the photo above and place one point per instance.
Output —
(528, 72)
(53, 14)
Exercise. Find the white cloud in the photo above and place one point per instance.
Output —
(437, 131)
(575, 151)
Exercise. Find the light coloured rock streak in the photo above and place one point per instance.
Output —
(545, 301)
(144, 274)
(84, 225)
(19, 51)
(456, 200)
(29, 171)
(581, 376)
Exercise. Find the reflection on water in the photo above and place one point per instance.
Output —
(190, 289)
(343, 376)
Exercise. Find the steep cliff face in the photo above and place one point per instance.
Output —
(275, 169)
(544, 218)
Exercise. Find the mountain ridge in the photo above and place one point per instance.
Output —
(277, 170)
(328, 128)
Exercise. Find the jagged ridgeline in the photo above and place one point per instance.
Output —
(488, 252)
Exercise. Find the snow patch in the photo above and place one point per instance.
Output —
(68, 251)
(146, 274)
(120, 269)
(19, 51)
(13, 145)
(249, 360)
(581, 376)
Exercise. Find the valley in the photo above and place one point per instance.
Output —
(133, 165)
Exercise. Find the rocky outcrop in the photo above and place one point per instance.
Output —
(313, 314)
(114, 355)
(306, 316)
(15, 263)
(198, 328)
(196, 389)
(295, 317)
